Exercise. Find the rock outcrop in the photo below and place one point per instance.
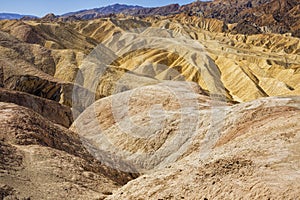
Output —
(147, 126)
(256, 155)
(51, 110)
(184, 140)
(40, 159)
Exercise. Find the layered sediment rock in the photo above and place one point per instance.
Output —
(156, 96)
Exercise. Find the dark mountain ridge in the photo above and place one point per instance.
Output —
(14, 16)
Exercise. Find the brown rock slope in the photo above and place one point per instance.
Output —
(34, 69)
(251, 17)
(191, 147)
(141, 125)
(51, 110)
(41, 160)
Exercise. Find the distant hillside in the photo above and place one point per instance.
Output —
(163, 10)
(14, 16)
(256, 16)
(247, 17)
(125, 9)
(96, 12)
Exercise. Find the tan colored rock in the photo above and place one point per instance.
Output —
(266, 64)
(149, 126)
(67, 64)
(223, 151)
(35, 55)
(256, 156)
(160, 52)
(1, 76)
(30, 68)
(51, 110)
(40, 160)
(61, 35)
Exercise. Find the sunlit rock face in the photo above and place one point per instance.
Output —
(183, 104)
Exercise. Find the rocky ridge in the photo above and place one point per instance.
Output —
(249, 17)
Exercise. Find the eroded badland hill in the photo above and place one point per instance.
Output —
(196, 104)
